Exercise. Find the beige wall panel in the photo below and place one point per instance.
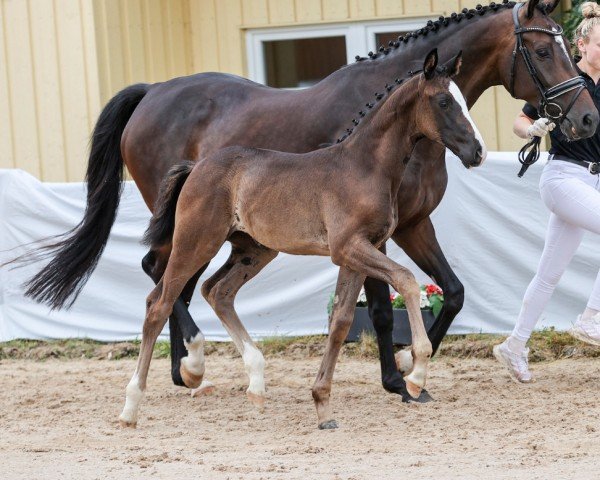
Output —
(205, 42)
(389, 8)
(308, 11)
(230, 36)
(7, 159)
(178, 42)
(132, 29)
(446, 7)
(74, 94)
(154, 37)
(335, 10)
(281, 11)
(21, 85)
(417, 7)
(102, 50)
(116, 47)
(255, 12)
(50, 128)
(507, 109)
(362, 9)
(91, 62)
(484, 116)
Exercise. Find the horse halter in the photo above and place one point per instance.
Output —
(548, 107)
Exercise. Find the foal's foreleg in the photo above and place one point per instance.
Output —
(362, 256)
(245, 261)
(346, 293)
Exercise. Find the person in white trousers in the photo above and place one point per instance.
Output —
(570, 188)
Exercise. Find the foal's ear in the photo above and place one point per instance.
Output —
(430, 64)
(454, 64)
(531, 4)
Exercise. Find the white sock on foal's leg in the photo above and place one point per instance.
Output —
(133, 397)
(255, 367)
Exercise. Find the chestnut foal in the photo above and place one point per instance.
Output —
(339, 202)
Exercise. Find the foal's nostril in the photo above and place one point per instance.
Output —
(478, 156)
(588, 120)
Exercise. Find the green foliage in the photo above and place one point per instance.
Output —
(571, 19)
(436, 302)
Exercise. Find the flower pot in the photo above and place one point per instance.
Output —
(401, 334)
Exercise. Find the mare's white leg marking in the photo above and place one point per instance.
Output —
(458, 96)
(255, 367)
(194, 362)
(133, 397)
(404, 361)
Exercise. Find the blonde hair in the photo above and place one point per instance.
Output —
(591, 18)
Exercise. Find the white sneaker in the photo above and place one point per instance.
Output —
(587, 330)
(518, 365)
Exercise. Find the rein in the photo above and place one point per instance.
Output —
(530, 153)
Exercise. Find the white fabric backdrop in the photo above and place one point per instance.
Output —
(490, 224)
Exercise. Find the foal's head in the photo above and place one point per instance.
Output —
(442, 114)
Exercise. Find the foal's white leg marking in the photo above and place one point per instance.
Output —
(458, 96)
(404, 361)
(255, 367)
(194, 362)
(133, 397)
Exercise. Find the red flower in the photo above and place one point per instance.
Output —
(433, 289)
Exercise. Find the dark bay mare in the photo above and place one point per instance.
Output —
(260, 202)
(151, 127)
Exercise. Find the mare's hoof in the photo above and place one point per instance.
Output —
(190, 379)
(257, 400)
(328, 425)
(424, 397)
(206, 388)
(413, 390)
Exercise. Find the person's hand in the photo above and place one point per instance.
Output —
(540, 128)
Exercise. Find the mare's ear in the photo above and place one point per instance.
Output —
(550, 6)
(531, 4)
(430, 64)
(454, 64)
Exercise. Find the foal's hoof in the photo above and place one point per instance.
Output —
(424, 397)
(328, 425)
(257, 400)
(127, 424)
(190, 379)
(413, 390)
(205, 388)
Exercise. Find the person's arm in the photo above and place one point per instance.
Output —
(525, 127)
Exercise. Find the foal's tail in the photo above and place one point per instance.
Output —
(162, 224)
(76, 253)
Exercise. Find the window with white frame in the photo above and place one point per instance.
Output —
(298, 57)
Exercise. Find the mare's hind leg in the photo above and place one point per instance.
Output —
(346, 293)
(246, 260)
(183, 331)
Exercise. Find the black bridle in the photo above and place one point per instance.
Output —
(548, 107)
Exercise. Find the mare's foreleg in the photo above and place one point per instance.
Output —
(421, 245)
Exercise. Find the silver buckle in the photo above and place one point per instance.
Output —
(594, 168)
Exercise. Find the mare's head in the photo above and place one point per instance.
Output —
(442, 114)
(550, 60)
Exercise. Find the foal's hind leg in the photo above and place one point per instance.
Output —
(346, 293)
(182, 329)
(246, 260)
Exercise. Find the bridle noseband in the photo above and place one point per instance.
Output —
(548, 107)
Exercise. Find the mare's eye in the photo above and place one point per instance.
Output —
(444, 104)
(542, 52)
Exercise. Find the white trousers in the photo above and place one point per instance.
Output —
(572, 194)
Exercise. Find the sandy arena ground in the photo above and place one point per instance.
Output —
(58, 420)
